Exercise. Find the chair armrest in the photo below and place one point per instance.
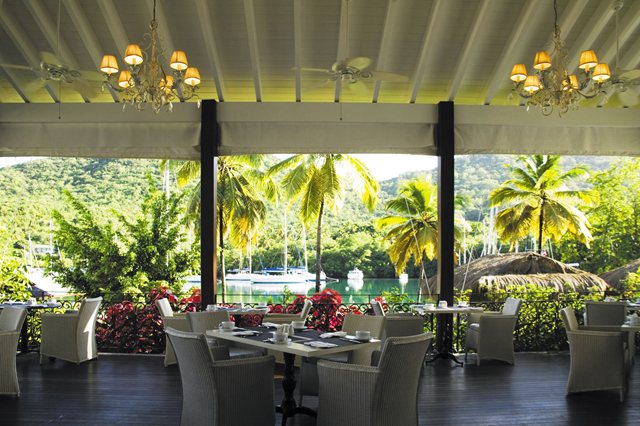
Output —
(609, 328)
(71, 311)
(179, 323)
(219, 353)
(281, 318)
(475, 316)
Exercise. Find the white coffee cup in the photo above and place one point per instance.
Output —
(279, 337)
(429, 305)
(227, 325)
(442, 304)
(297, 324)
(463, 303)
(212, 307)
(363, 334)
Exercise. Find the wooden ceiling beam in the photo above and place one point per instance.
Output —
(206, 27)
(434, 19)
(254, 51)
(380, 64)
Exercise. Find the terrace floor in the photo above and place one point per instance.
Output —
(137, 389)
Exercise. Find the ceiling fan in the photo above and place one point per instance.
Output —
(53, 69)
(354, 71)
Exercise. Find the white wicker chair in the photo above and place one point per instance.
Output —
(352, 322)
(609, 314)
(169, 319)
(11, 320)
(71, 336)
(382, 395)
(377, 308)
(599, 359)
(225, 393)
(200, 322)
(492, 335)
(287, 318)
(399, 326)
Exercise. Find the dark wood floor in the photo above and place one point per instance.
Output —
(125, 389)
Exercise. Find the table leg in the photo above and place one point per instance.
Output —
(444, 339)
(288, 406)
(24, 335)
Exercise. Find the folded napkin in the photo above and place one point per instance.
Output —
(335, 334)
(270, 324)
(317, 344)
(245, 333)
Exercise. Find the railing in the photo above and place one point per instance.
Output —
(136, 327)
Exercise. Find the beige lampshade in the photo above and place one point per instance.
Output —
(192, 76)
(133, 55)
(124, 79)
(588, 60)
(178, 60)
(601, 73)
(109, 64)
(518, 73)
(532, 84)
(542, 60)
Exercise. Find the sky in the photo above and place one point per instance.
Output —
(383, 166)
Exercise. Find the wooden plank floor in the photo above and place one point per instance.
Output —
(138, 390)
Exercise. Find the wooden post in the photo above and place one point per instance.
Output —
(209, 138)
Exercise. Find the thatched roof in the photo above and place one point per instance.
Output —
(615, 276)
(521, 268)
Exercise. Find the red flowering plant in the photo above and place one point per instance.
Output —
(191, 303)
(326, 313)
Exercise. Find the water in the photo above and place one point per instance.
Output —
(351, 291)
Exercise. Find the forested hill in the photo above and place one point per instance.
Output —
(29, 191)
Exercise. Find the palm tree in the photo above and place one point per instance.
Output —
(412, 225)
(538, 202)
(314, 181)
(240, 205)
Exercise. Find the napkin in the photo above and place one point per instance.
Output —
(317, 344)
(245, 333)
(270, 324)
(335, 334)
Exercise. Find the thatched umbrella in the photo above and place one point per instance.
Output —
(520, 268)
(615, 277)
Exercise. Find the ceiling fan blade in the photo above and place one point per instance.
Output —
(359, 88)
(629, 74)
(85, 89)
(17, 67)
(50, 58)
(629, 97)
(34, 85)
(389, 76)
(359, 62)
(89, 76)
(324, 70)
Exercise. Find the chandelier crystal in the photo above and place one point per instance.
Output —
(145, 81)
(552, 86)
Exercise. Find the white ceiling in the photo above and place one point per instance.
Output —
(252, 50)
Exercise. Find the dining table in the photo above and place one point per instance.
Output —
(31, 308)
(306, 343)
(444, 328)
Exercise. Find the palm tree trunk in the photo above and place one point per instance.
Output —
(222, 264)
(318, 249)
(541, 220)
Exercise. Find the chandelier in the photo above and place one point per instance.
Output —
(553, 86)
(145, 81)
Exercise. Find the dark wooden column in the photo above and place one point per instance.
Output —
(209, 137)
(446, 149)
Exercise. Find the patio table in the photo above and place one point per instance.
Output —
(444, 328)
(24, 332)
(296, 346)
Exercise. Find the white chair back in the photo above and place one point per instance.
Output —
(11, 318)
(511, 306)
(605, 313)
(306, 308)
(207, 320)
(164, 307)
(378, 310)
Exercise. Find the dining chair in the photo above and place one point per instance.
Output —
(278, 318)
(609, 314)
(352, 323)
(386, 394)
(599, 360)
(71, 336)
(200, 322)
(492, 335)
(377, 308)
(236, 392)
(169, 319)
(11, 320)
(398, 326)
